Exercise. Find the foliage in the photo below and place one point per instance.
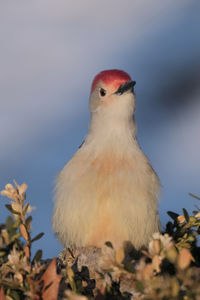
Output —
(168, 269)
(21, 277)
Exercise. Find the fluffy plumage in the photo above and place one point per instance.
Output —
(108, 191)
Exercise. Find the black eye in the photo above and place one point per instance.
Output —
(102, 92)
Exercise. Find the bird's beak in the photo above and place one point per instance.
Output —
(129, 85)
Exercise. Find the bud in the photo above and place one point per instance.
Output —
(181, 219)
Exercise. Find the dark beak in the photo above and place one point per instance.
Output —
(127, 86)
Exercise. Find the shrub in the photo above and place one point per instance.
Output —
(168, 269)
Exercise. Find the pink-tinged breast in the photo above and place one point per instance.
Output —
(108, 164)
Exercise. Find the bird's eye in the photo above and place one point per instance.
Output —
(102, 92)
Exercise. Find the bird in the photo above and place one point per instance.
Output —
(108, 190)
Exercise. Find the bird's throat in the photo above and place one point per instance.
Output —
(110, 130)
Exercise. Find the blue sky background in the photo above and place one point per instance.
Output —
(49, 54)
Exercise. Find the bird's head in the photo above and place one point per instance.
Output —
(112, 91)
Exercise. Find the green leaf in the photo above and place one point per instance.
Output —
(140, 286)
(9, 224)
(191, 238)
(26, 206)
(192, 220)
(11, 227)
(37, 237)
(15, 295)
(17, 223)
(37, 256)
(24, 196)
(2, 253)
(194, 196)
(26, 285)
(28, 223)
(186, 245)
(79, 287)
(129, 267)
(9, 207)
(173, 215)
(186, 215)
(15, 237)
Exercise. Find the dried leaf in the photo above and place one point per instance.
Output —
(18, 277)
(17, 207)
(27, 251)
(24, 232)
(197, 215)
(101, 295)
(8, 298)
(119, 255)
(34, 287)
(184, 258)
(156, 245)
(9, 187)
(14, 257)
(73, 296)
(5, 236)
(12, 195)
(51, 282)
(148, 271)
(21, 188)
(2, 295)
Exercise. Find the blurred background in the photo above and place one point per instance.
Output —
(49, 54)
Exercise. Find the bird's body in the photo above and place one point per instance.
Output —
(108, 191)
